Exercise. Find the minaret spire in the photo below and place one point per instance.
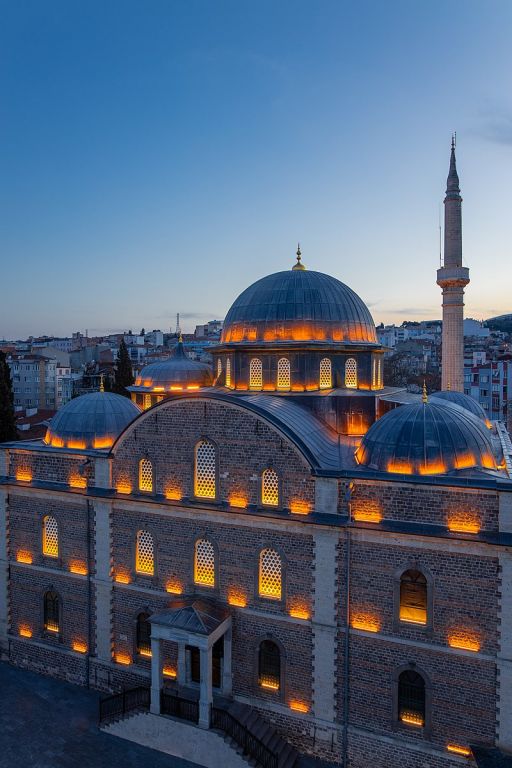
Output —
(452, 277)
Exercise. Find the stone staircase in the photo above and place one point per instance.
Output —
(287, 755)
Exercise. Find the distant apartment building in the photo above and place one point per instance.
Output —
(39, 382)
(488, 383)
(210, 329)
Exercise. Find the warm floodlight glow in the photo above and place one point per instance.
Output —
(103, 442)
(121, 577)
(169, 672)
(366, 621)
(399, 467)
(300, 507)
(24, 474)
(269, 683)
(367, 511)
(238, 500)
(124, 486)
(174, 587)
(122, 658)
(463, 639)
(237, 598)
(459, 750)
(412, 718)
(145, 652)
(78, 445)
(173, 493)
(464, 522)
(78, 566)
(77, 481)
(80, 646)
(23, 556)
(299, 706)
(52, 626)
(25, 631)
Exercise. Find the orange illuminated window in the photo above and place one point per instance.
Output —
(143, 635)
(374, 373)
(228, 372)
(147, 402)
(205, 471)
(283, 373)
(325, 373)
(204, 563)
(379, 373)
(411, 698)
(145, 554)
(145, 475)
(255, 373)
(51, 610)
(219, 367)
(269, 665)
(351, 373)
(270, 574)
(50, 536)
(270, 488)
(413, 597)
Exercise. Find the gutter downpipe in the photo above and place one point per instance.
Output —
(346, 664)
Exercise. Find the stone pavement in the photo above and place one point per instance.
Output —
(45, 723)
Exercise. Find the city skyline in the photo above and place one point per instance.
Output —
(160, 160)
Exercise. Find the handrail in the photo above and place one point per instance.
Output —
(251, 745)
(117, 705)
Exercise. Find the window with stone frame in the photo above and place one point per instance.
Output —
(51, 612)
(411, 698)
(50, 536)
(283, 373)
(256, 373)
(143, 635)
(269, 665)
(270, 487)
(204, 563)
(351, 373)
(270, 574)
(205, 470)
(413, 597)
(228, 372)
(145, 476)
(325, 381)
(219, 367)
(145, 554)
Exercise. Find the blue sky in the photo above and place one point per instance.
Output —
(159, 156)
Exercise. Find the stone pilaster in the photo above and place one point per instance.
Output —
(4, 573)
(504, 656)
(103, 579)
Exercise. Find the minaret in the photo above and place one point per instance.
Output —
(453, 278)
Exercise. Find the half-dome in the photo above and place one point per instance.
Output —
(426, 439)
(177, 371)
(462, 400)
(299, 305)
(91, 421)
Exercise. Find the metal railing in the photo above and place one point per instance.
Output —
(250, 744)
(120, 704)
(173, 705)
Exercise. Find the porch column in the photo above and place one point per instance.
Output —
(156, 676)
(227, 683)
(205, 695)
(182, 665)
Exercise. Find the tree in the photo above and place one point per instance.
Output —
(8, 429)
(123, 376)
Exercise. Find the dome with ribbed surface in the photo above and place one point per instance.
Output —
(299, 305)
(426, 439)
(91, 421)
(462, 400)
(177, 371)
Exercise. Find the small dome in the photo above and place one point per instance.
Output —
(178, 371)
(91, 421)
(430, 438)
(462, 400)
(299, 305)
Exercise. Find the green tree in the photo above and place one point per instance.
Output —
(8, 429)
(123, 376)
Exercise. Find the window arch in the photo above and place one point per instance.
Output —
(411, 698)
(270, 487)
(228, 372)
(205, 470)
(50, 536)
(145, 475)
(147, 402)
(325, 373)
(413, 597)
(269, 665)
(51, 611)
(219, 367)
(256, 373)
(351, 373)
(270, 574)
(145, 554)
(283, 373)
(143, 634)
(204, 563)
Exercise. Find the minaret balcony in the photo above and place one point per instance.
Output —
(453, 277)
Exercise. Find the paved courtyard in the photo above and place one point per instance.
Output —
(45, 723)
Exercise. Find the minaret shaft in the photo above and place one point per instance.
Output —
(452, 277)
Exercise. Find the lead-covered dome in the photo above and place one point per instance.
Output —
(177, 372)
(91, 421)
(299, 305)
(463, 401)
(427, 438)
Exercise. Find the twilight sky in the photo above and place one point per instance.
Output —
(159, 156)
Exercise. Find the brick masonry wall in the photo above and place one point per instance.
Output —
(51, 467)
(364, 751)
(49, 661)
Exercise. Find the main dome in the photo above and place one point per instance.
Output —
(299, 305)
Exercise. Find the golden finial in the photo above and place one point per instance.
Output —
(448, 387)
(299, 264)
(180, 339)
(424, 396)
(102, 386)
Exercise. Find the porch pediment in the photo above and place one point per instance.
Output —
(194, 615)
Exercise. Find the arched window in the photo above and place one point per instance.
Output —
(325, 373)
(379, 373)
(145, 554)
(50, 536)
(204, 563)
(269, 665)
(51, 610)
(143, 635)
(374, 373)
(147, 402)
(255, 373)
(270, 488)
(413, 597)
(219, 367)
(270, 576)
(411, 698)
(351, 373)
(228, 372)
(205, 471)
(283, 373)
(145, 475)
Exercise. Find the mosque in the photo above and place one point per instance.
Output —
(278, 547)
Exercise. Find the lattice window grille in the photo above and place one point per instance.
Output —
(228, 372)
(219, 367)
(351, 373)
(270, 487)
(325, 373)
(145, 557)
(205, 470)
(283, 373)
(256, 373)
(204, 563)
(145, 475)
(379, 373)
(270, 574)
(147, 402)
(374, 373)
(50, 537)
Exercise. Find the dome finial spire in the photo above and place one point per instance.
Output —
(299, 264)
(424, 396)
(102, 385)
